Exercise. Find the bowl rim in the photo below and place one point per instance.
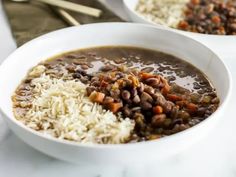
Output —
(132, 11)
(116, 146)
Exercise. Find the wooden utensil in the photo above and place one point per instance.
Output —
(69, 6)
(66, 16)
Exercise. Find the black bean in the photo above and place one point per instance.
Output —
(94, 79)
(201, 111)
(212, 94)
(176, 128)
(145, 105)
(215, 100)
(200, 91)
(183, 127)
(125, 83)
(80, 62)
(127, 112)
(85, 67)
(77, 75)
(159, 99)
(134, 92)
(107, 68)
(84, 79)
(96, 83)
(194, 121)
(139, 120)
(154, 82)
(82, 72)
(125, 94)
(115, 93)
(141, 87)
(119, 60)
(145, 97)
(195, 98)
(196, 86)
(158, 120)
(149, 89)
(171, 78)
(167, 123)
(117, 99)
(147, 69)
(203, 82)
(120, 75)
(174, 112)
(28, 80)
(177, 121)
(232, 26)
(167, 106)
(129, 102)
(108, 87)
(90, 65)
(184, 115)
(71, 68)
(136, 99)
(71, 56)
(168, 132)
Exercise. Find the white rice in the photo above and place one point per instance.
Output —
(164, 12)
(61, 109)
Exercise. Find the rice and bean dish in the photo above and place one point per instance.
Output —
(201, 16)
(112, 95)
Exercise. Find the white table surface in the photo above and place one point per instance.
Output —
(214, 156)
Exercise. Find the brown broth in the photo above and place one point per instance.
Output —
(197, 95)
(169, 66)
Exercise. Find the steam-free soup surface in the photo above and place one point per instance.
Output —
(160, 94)
(175, 69)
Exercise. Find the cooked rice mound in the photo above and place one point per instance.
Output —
(164, 12)
(61, 109)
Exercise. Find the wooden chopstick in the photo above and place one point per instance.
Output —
(66, 16)
(73, 7)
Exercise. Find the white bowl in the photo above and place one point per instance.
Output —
(130, 6)
(222, 44)
(15, 68)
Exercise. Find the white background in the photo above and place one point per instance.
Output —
(214, 156)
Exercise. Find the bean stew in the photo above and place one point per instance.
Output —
(162, 94)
